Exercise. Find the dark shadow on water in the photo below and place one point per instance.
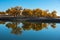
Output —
(44, 20)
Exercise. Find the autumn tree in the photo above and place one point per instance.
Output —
(37, 12)
(27, 12)
(40, 13)
(14, 11)
(19, 11)
(2, 13)
(54, 14)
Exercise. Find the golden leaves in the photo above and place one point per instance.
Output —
(18, 11)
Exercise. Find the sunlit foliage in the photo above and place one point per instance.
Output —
(14, 11)
(19, 11)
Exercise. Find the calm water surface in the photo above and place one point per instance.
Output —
(29, 31)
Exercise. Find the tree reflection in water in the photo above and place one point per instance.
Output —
(34, 26)
(53, 25)
(26, 26)
(2, 22)
(14, 27)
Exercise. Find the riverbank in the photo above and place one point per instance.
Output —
(41, 19)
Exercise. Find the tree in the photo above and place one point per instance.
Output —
(45, 13)
(40, 13)
(49, 15)
(18, 11)
(2, 13)
(37, 12)
(27, 12)
(14, 11)
(54, 14)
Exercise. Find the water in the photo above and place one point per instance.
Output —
(29, 31)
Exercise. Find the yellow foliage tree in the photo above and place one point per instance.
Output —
(2, 13)
(27, 12)
(54, 14)
(17, 11)
(37, 12)
(14, 11)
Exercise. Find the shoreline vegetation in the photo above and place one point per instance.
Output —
(18, 13)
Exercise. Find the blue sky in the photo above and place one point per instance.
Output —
(32, 4)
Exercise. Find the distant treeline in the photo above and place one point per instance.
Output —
(19, 11)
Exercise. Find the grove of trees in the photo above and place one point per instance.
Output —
(19, 11)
